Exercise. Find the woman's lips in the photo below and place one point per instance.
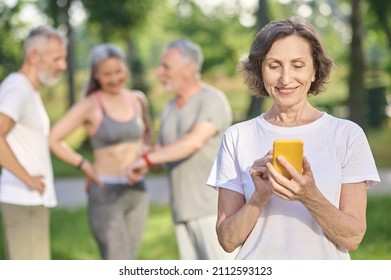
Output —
(286, 90)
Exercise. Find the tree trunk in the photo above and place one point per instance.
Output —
(256, 103)
(136, 67)
(70, 68)
(357, 109)
(65, 18)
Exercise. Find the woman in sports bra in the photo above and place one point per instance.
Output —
(118, 126)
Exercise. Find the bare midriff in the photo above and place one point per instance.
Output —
(112, 161)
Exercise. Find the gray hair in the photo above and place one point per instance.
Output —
(190, 51)
(97, 55)
(40, 35)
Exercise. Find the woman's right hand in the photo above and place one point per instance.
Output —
(91, 176)
(260, 176)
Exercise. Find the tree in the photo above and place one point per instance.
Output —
(379, 60)
(11, 52)
(219, 33)
(357, 108)
(382, 10)
(256, 103)
(118, 19)
(59, 13)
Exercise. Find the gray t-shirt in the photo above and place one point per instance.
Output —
(190, 198)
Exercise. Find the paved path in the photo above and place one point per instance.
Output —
(70, 192)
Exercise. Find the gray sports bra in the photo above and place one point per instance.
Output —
(111, 132)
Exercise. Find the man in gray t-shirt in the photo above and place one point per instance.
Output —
(191, 128)
(189, 198)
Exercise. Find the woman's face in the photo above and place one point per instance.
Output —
(288, 71)
(111, 73)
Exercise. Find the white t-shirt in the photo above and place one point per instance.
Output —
(338, 152)
(28, 140)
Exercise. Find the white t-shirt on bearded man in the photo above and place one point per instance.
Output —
(28, 140)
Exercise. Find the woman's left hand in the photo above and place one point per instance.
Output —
(297, 188)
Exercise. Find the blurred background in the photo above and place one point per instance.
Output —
(357, 35)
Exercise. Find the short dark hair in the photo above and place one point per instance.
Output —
(251, 67)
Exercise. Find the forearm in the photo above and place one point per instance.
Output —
(344, 224)
(9, 161)
(233, 231)
(65, 153)
(173, 152)
(186, 145)
(343, 229)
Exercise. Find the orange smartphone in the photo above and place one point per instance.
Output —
(292, 151)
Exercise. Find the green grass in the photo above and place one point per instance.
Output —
(72, 239)
(376, 244)
(379, 141)
(159, 239)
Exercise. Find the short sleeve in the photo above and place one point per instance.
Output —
(14, 100)
(225, 173)
(359, 164)
(216, 110)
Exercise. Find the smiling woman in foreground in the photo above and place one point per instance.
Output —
(320, 212)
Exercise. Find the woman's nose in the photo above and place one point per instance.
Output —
(285, 76)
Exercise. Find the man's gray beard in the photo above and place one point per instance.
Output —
(46, 79)
(167, 88)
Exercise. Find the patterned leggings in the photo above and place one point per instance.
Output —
(118, 214)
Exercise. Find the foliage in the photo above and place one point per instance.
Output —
(116, 17)
(376, 103)
(10, 48)
(121, 19)
(382, 10)
(56, 11)
(378, 41)
(221, 36)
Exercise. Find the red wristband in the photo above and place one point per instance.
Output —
(147, 161)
